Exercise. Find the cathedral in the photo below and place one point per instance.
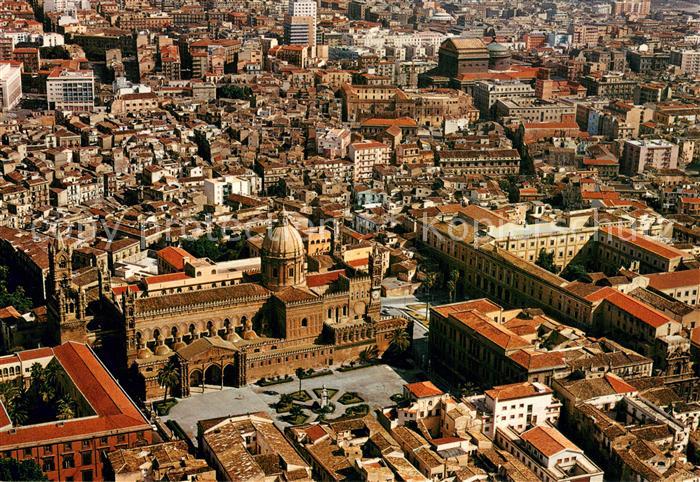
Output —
(226, 328)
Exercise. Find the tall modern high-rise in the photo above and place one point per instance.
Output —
(300, 23)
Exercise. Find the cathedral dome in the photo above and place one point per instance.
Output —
(498, 50)
(283, 257)
(283, 240)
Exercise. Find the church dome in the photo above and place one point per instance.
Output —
(498, 50)
(283, 240)
(283, 257)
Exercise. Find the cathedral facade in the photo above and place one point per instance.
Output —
(235, 331)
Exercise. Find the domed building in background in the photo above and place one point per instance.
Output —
(500, 57)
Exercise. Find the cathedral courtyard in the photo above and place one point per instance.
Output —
(374, 384)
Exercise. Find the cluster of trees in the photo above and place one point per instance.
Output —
(546, 260)
(215, 248)
(435, 278)
(13, 469)
(16, 297)
(42, 401)
(242, 92)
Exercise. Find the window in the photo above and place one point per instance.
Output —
(67, 447)
(47, 464)
(48, 449)
(27, 452)
(68, 461)
(304, 322)
(104, 441)
(86, 458)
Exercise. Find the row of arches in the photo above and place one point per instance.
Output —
(187, 333)
(213, 375)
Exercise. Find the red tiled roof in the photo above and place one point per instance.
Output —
(482, 305)
(643, 242)
(321, 279)
(120, 290)
(114, 411)
(423, 389)
(517, 390)
(547, 440)
(494, 332)
(356, 263)
(174, 256)
(675, 279)
(618, 384)
(27, 355)
(164, 278)
(538, 360)
(634, 307)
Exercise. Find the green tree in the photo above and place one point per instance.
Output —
(242, 92)
(429, 283)
(202, 247)
(13, 469)
(300, 374)
(369, 354)
(546, 260)
(65, 409)
(400, 340)
(452, 283)
(17, 298)
(575, 272)
(169, 377)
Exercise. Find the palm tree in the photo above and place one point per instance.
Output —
(169, 377)
(400, 340)
(451, 288)
(429, 283)
(369, 354)
(299, 373)
(64, 409)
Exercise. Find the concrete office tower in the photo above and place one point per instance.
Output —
(300, 23)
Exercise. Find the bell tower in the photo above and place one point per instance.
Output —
(65, 305)
(376, 273)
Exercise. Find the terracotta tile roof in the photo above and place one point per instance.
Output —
(34, 354)
(634, 307)
(292, 294)
(482, 305)
(164, 278)
(618, 384)
(423, 389)
(518, 390)
(675, 279)
(641, 241)
(548, 441)
(538, 360)
(494, 332)
(321, 279)
(114, 411)
(174, 256)
(214, 295)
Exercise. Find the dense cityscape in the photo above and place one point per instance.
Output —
(350, 240)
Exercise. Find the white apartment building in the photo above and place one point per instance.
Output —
(217, 190)
(549, 454)
(333, 143)
(70, 90)
(10, 85)
(687, 60)
(518, 405)
(365, 155)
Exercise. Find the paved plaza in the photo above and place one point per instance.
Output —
(374, 384)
